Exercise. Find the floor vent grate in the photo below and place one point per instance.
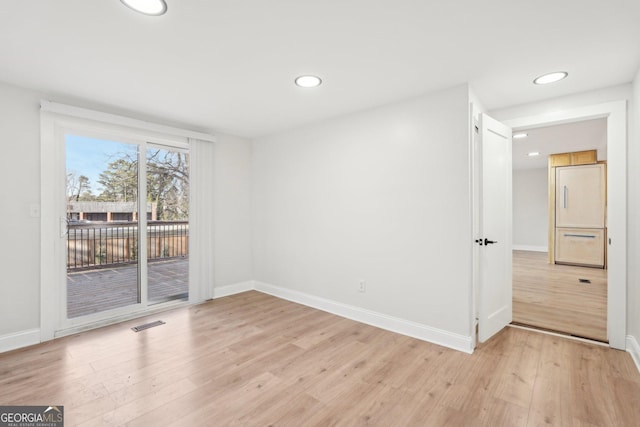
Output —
(147, 326)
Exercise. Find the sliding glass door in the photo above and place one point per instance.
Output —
(127, 240)
(167, 224)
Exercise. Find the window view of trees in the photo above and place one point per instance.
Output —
(119, 181)
(167, 183)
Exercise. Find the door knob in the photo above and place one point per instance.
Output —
(489, 242)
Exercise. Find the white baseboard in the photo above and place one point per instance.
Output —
(236, 288)
(530, 248)
(19, 339)
(634, 349)
(380, 320)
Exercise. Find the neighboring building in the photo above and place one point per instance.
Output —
(109, 211)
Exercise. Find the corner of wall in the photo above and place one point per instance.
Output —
(401, 326)
(236, 288)
(379, 320)
(478, 106)
(633, 348)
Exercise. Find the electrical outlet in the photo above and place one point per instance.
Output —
(362, 286)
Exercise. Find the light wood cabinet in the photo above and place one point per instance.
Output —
(563, 159)
(574, 158)
(577, 204)
(580, 196)
(581, 246)
(584, 157)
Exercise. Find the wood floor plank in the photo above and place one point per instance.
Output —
(390, 407)
(254, 360)
(286, 406)
(144, 398)
(551, 296)
(229, 403)
(518, 372)
(345, 404)
(355, 368)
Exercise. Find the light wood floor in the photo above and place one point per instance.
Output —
(252, 359)
(550, 296)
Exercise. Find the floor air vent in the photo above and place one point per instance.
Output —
(147, 326)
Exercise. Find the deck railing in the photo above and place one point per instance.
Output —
(105, 244)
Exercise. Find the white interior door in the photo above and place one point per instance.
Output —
(494, 237)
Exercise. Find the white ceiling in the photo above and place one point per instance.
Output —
(565, 138)
(229, 65)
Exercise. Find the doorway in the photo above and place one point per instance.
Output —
(115, 240)
(109, 216)
(615, 114)
(565, 298)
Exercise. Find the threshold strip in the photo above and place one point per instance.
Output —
(557, 334)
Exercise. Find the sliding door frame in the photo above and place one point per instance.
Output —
(57, 120)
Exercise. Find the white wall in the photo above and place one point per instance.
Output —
(381, 195)
(633, 295)
(20, 177)
(232, 210)
(530, 209)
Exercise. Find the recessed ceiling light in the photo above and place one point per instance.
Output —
(148, 7)
(308, 81)
(520, 135)
(533, 154)
(551, 77)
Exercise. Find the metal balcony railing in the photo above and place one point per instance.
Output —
(93, 245)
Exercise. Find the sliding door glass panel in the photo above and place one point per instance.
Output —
(167, 224)
(102, 225)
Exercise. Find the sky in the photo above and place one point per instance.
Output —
(90, 156)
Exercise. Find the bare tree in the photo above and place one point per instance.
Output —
(77, 187)
(167, 182)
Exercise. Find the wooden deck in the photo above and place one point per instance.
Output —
(93, 291)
